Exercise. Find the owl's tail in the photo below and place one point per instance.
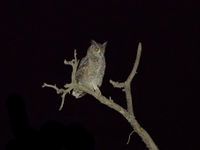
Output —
(77, 93)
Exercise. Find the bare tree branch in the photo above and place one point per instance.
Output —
(137, 60)
(126, 86)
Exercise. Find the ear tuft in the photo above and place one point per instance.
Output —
(105, 44)
(93, 42)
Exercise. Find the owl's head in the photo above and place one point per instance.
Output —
(96, 49)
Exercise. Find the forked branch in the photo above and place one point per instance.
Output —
(126, 87)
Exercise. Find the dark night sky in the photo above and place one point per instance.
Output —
(37, 36)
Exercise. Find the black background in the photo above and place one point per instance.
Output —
(36, 37)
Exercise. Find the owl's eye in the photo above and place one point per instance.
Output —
(96, 49)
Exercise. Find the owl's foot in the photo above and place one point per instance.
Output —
(97, 90)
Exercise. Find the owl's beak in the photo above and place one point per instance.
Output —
(101, 54)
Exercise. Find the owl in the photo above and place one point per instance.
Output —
(91, 69)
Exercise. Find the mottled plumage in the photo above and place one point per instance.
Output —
(91, 69)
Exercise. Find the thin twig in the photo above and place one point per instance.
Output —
(58, 91)
(117, 84)
(129, 137)
(63, 97)
(137, 60)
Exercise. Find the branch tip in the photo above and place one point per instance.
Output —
(116, 84)
(75, 54)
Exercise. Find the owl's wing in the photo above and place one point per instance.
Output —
(101, 74)
(82, 68)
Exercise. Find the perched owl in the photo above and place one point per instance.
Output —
(91, 69)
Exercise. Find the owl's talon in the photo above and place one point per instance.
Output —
(67, 85)
(98, 92)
